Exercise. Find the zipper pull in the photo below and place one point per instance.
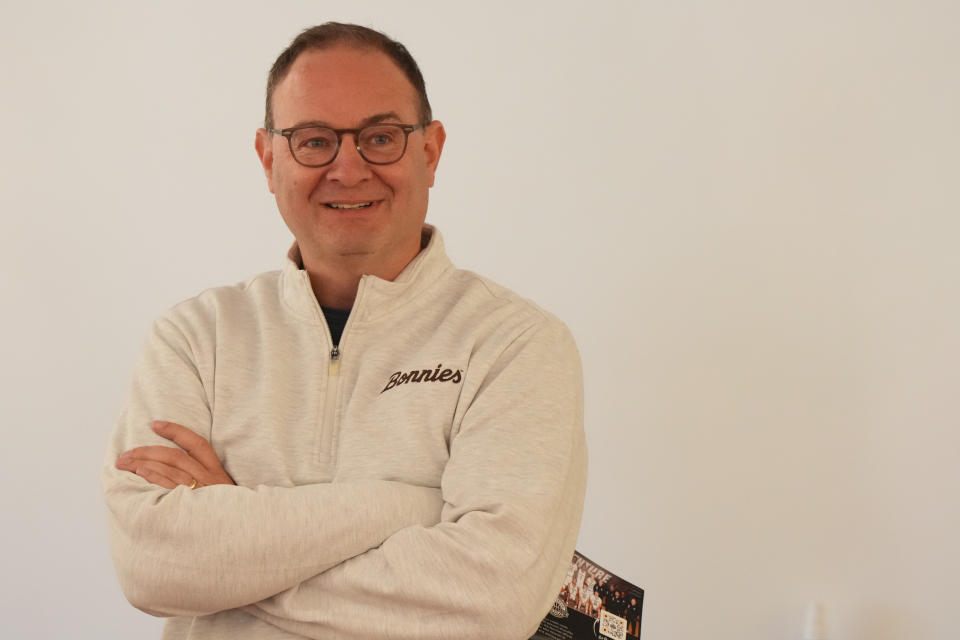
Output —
(335, 361)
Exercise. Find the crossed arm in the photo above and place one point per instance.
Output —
(488, 565)
(192, 553)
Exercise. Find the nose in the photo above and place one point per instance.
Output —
(348, 168)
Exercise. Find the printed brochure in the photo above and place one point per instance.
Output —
(593, 604)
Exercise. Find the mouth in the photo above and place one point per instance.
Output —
(349, 206)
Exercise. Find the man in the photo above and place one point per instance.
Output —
(416, 471)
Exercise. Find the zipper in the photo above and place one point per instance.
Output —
(334, 361)
(330, 427)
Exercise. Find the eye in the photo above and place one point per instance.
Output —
(314, 139)
(380, 139)
(315, 143)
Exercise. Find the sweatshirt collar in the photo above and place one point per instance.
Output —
(375, 297)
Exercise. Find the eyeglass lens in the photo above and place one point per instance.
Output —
(380, 144)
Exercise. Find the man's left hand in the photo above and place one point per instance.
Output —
(195, 464)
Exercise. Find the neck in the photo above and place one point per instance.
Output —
(335, 282)
(337, 290)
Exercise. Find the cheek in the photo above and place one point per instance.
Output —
(290, 206)
(413, 185)
(290, 188)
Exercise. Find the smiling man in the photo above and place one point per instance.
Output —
(368, 443)
(355, 208)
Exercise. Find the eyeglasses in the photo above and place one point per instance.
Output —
(314, 146)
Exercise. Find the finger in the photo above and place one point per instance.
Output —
(169, 456)
(153, 476)
(194, 444)
(160, 470)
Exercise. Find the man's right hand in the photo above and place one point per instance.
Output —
(194, 464)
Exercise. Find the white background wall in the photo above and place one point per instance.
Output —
(746, 211)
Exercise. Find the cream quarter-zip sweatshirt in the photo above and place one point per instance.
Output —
(422, 479)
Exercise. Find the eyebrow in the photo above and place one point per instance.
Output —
(374, 119)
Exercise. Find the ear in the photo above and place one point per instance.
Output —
(434, 136)
(264, 147)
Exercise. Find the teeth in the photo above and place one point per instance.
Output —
(337, 205)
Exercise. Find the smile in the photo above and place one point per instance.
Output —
(342, 205)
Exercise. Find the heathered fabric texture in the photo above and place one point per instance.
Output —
(444, 505)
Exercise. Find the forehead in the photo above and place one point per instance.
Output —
(341, 86)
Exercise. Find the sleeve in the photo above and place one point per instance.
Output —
(191, 553)
(513, 495)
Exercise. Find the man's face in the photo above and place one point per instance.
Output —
(344, 88)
